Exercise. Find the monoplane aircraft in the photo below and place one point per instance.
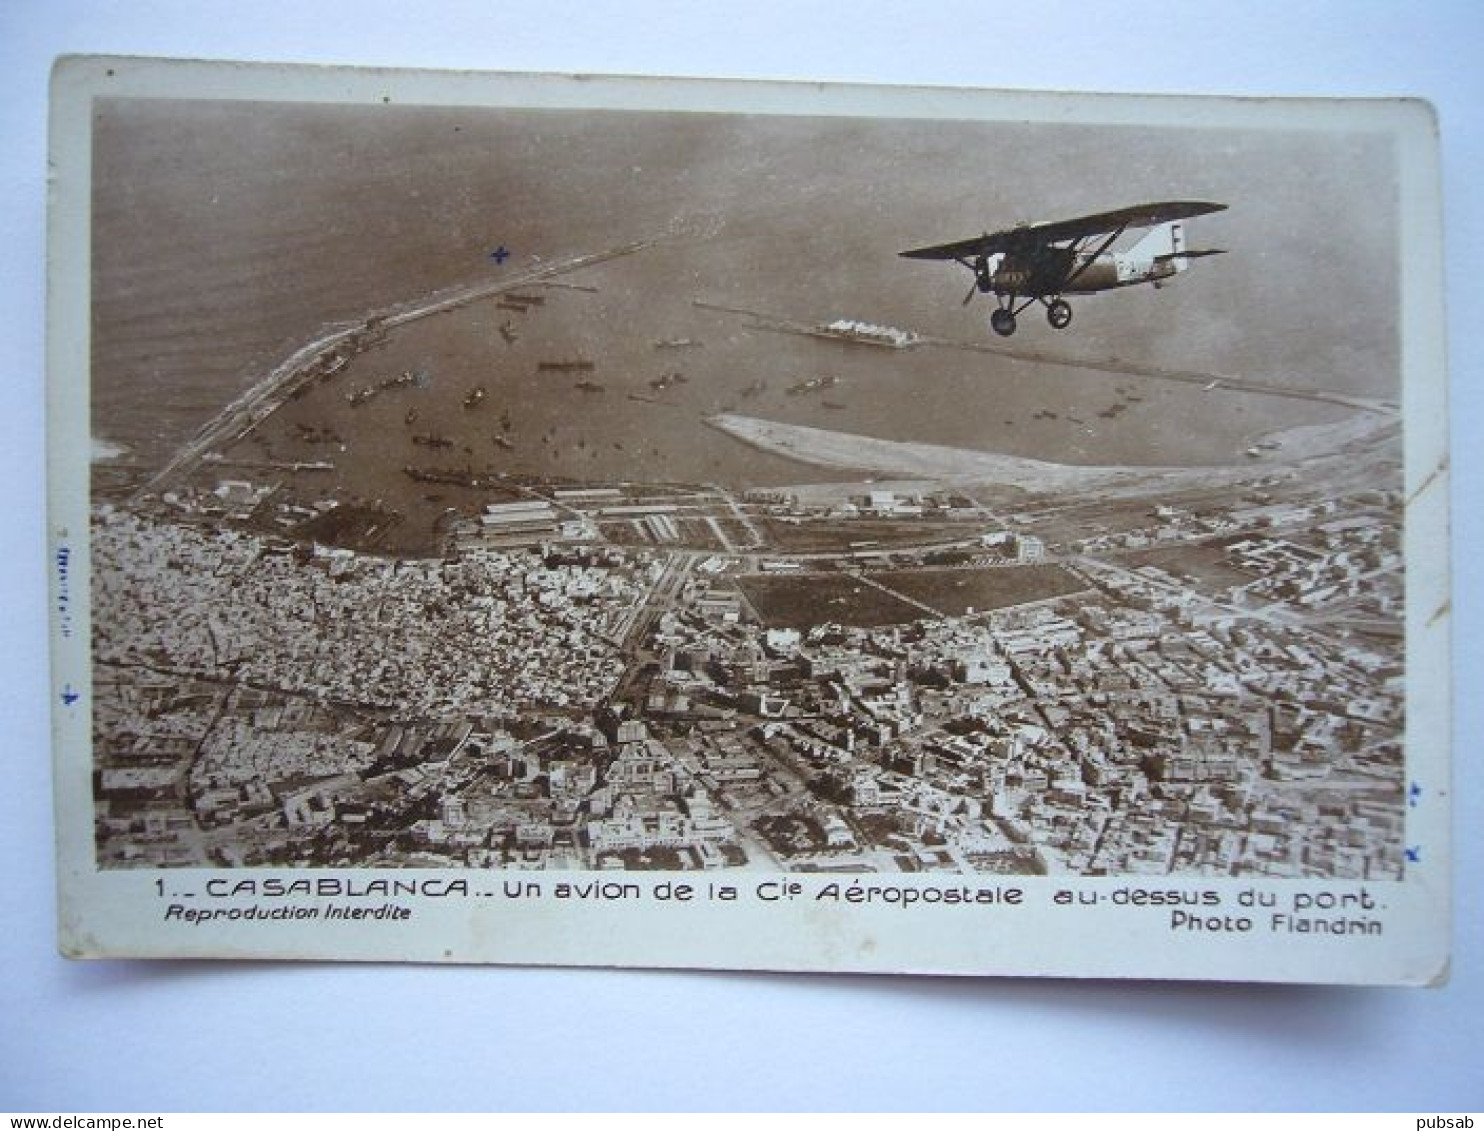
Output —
(1041, 262)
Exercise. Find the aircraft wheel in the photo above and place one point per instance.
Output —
(1002, 322)
(1059, 314)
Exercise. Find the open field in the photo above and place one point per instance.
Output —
(805, 600)
(955, 592)
(809, 600)
(824, 536)
(1206, 563)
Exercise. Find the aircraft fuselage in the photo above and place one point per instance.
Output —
(1053, 271)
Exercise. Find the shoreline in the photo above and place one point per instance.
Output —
(869, 455)
(846, 451)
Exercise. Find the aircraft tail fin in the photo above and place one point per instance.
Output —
(1163, 243)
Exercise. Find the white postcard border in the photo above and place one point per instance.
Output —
(126, 913)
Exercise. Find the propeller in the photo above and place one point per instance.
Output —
(981, 278)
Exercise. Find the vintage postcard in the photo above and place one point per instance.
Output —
(570, 520)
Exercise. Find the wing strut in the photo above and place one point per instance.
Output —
(1091, 259)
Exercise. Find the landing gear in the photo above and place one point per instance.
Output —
(1059, 314)
(1002, 322)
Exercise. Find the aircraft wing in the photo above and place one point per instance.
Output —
(1056, 231)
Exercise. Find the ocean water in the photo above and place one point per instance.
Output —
(225, 235)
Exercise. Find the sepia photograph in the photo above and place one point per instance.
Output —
(668, 556)
(576, 493)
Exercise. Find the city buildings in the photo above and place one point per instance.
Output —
(1218, 691)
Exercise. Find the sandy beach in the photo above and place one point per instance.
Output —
(846, 451)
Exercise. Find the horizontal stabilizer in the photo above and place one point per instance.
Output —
(1196, 254)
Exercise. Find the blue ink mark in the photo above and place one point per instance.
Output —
(1414, 854)
(69, 696)
(63, 561)
(1413, 794)
(500, 254)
